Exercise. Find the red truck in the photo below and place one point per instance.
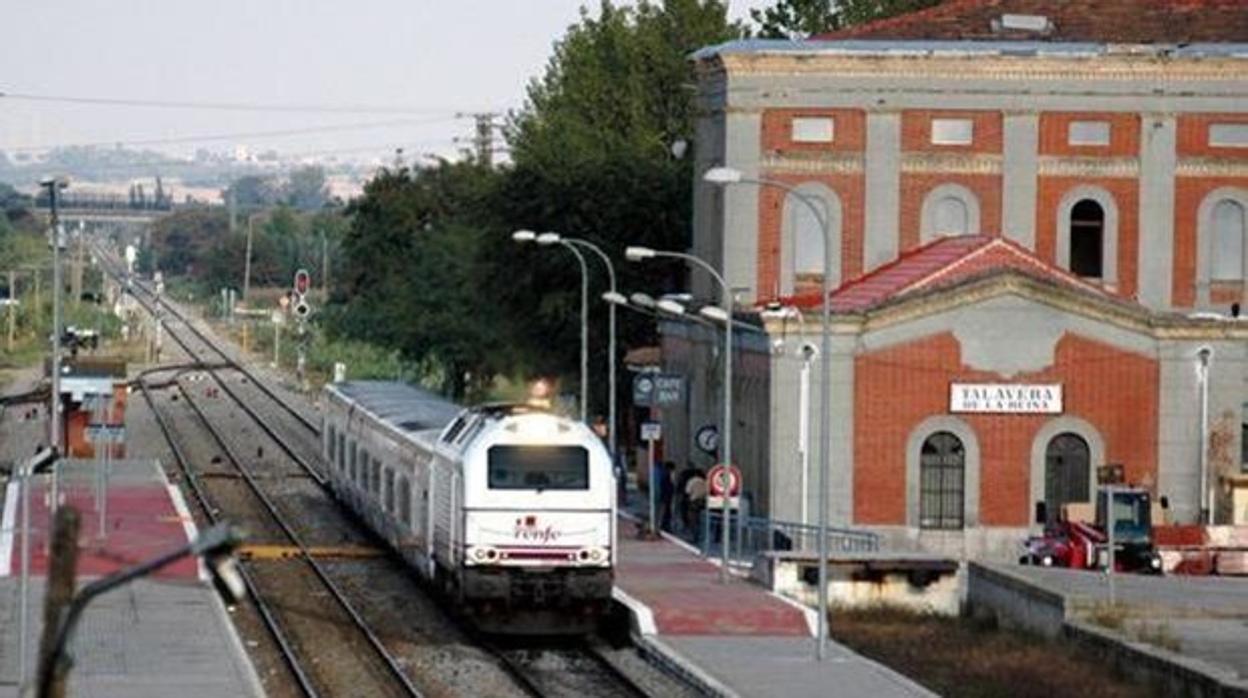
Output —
(1071, 542)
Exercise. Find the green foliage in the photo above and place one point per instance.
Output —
(306, 190)
(413, 272)
(187, 241)
(798, 19)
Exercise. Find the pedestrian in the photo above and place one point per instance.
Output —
(667, 489)
(695, 494)
(682, 499)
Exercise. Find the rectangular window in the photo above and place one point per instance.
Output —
(388, 489)
(342, 451)
(953, 131)
(405, 501)
(1243, 438)
(353, 461)
(363, 470)
(538, 468)
(1088, 133)
(811, 130)
(375, 479)
(1228, 135)
(330, 442)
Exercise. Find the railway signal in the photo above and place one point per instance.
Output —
(303, 281)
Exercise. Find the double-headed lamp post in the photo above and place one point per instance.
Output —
(530, 236)
(725, 176)
(638, 254)
(556, 238)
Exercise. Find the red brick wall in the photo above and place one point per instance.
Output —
(916, 131)
(1124, 134)
(1049, 193)
(898, 387)
(848, 187)
(1193, 135)
(915, 187)
(1189, 193)
(848, 130)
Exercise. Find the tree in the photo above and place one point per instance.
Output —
(252, 192)
(798, 19)
(592, 154)
(306, 190)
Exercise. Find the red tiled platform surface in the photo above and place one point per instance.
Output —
(141, 523)
(685, 594)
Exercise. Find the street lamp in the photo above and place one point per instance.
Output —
(553, 238)
(54, 185)
(523, 236)
(725, 176)
(638, 254)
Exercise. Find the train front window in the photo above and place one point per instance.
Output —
(538, 468)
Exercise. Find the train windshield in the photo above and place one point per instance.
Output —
(538, 468)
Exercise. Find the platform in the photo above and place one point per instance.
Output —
(736, 638)
(167, 634)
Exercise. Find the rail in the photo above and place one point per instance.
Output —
(752, 535)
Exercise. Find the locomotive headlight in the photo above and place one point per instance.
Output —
(482, 553)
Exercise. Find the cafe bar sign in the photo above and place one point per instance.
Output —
(1006, 398)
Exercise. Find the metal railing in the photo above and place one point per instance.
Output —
(752, 535)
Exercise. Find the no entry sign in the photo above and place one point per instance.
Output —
(724, 479)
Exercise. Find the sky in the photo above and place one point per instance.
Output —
(418, 62)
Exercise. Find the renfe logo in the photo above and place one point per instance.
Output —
(528, 529)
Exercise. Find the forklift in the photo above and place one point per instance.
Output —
(1071, 542)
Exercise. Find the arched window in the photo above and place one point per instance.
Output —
(1067, 463)
(807, 239)
(951, 217)
(942, 467)
(1228, 241)
(1087, 239)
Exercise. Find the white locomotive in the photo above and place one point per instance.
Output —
(508, 508)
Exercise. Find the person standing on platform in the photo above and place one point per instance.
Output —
(667, 490)
(682, 499)
(695, 495)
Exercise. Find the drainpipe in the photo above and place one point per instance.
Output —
(1204, 355)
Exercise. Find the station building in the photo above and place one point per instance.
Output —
(1037, 214)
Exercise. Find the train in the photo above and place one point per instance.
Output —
(506, 508)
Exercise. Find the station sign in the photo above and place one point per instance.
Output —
(1005, 398)
(105, 433)
(658, 389)
(723, 480)
(651, 431)
(303, 281)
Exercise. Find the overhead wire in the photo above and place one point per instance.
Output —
(235, 106)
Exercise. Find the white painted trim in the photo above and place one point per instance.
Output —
(811, 615)
(687, 665)
(188, 524)
(12, 494)
(640, 611)
(948, 190)
(1109, 233)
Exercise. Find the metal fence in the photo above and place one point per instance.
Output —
(750, 535)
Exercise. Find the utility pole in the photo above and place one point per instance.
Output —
(247, 260)
(12, 307)
(54, 414)
(76, 283)
(324, 267)
(483, 136)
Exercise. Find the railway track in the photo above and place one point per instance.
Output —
(309, 602)
(317, 629)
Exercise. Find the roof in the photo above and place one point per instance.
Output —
(405, 406)
(1101, 21)
(943, 263)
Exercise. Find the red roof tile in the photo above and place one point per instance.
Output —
(1097, 21)
(942, 263)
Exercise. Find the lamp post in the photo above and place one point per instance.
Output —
(530, 236)
(809, 353)
(54, 185)
(638, 254)
(553, 238)
(725, 176)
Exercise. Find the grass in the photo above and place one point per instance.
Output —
(965, 657)
(1117, 618)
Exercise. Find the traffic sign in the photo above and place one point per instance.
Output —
(303, 281)
(724, 479)
(651, 431)
(302, 309)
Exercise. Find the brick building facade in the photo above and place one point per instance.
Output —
(1075, 189)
